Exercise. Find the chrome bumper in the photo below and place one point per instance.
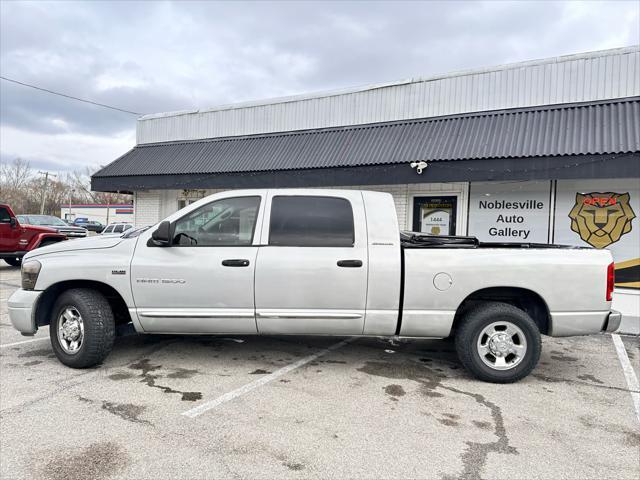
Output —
(21, 310)
(613, 321)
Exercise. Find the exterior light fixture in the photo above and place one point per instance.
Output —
(419, 166)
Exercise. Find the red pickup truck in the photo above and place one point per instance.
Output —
(16, 239)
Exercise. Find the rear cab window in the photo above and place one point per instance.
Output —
(311, 221)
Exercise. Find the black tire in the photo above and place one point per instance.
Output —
(98, 322)
(14, 261)
(482, 316)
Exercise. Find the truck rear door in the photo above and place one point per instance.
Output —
(312, 266)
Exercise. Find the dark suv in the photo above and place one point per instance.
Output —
(91, 225)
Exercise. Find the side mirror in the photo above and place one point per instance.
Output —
(161, 237)
(13, 222)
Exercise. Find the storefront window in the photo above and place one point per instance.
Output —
(435, 215)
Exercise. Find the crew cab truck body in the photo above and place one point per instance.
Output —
(313, 262)
(17, 239)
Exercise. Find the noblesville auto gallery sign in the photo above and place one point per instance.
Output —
(510, 212)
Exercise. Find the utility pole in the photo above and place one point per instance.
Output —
(44, 189)
(71, 192)
(108, 206)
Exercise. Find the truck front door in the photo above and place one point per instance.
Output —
(311, 273)
(203, 281)
(10, 234)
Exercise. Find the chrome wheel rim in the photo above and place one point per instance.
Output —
(70, 330)
(502, 345)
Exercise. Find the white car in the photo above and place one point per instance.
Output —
(116, 228)
(313, 262)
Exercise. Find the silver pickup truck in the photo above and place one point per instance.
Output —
(313, 262)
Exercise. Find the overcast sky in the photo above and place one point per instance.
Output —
(160, 56)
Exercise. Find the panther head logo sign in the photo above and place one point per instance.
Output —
(601, 218)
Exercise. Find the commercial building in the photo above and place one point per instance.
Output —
(103, 213)
(546, 151)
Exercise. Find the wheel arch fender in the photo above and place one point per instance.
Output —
(46, 301)
(525, 299)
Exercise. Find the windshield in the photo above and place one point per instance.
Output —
(45, 220)
(132, 233)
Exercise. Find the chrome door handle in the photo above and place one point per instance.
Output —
(235, 262)
(350, 263)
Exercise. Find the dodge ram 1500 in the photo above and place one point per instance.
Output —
(313, 262)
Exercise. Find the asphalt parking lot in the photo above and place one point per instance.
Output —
(299, 407)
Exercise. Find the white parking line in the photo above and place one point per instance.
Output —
(200, 409)
(629, 374)
(23, 342)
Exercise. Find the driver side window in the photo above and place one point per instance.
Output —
(4, 215)
(226, 222)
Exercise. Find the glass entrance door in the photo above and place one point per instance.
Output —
(435, 215)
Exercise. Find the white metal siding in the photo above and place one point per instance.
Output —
(574, 78)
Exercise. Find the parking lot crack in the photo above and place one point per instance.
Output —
(126, 411)
(149, 378)
(550, 379)
(475, 455)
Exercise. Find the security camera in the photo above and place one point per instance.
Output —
(419, 166)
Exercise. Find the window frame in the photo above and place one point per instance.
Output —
(353, 221)
(8, 222)
(253, 231)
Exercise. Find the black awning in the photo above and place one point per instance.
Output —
(584, 167)
(519, 144)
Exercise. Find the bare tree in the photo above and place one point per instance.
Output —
(21, 188)
(15, 175)
(15, 178)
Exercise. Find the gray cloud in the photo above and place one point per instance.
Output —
(156, 56)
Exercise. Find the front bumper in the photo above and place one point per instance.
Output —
(73, 233)
(613, 321)
(22, 306)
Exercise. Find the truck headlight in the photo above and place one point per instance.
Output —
(30, 271)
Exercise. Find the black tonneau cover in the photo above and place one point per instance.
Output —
(424, 240)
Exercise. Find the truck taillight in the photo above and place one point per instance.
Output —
(611, 279)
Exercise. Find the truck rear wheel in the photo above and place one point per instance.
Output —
(498, 342)
(82, 328)
(14, 261)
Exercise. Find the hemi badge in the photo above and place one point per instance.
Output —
(118, 272)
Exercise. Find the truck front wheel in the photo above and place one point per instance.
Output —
(498, 342)
(82, 328)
